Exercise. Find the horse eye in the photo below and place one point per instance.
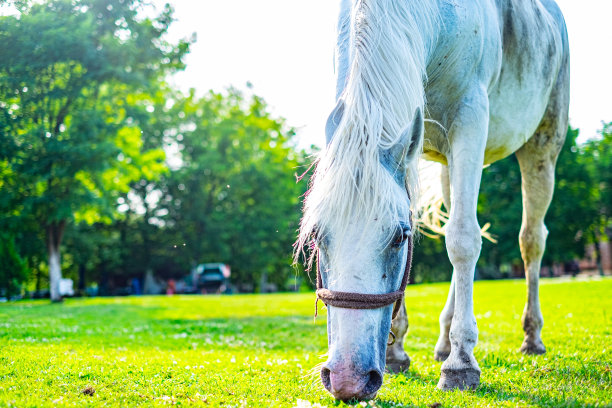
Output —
(402, 234)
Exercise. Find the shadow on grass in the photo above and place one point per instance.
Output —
(541, 399)
(129, 325)
(561, 376)
(414, 376)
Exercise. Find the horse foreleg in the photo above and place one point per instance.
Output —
(467, 140)
(397, 360)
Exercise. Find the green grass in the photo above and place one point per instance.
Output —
(260, 351)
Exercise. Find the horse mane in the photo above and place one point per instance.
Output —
(388, 42)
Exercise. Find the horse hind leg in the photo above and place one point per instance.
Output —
(537, 159)
(443, 346)
(396, 359)
(537, 186)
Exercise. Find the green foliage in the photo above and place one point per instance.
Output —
(430, 261)
(68, 70)
(580, 212)
(187, 215)
(599, 164)
(500, 203)
(234, 198)
(263, 350)
(574, 207)
(94, 254)
(62, 81)
(570, 218)
(13, 271)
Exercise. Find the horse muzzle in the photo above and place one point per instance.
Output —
(346, 384)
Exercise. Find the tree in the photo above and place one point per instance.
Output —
(569, 218)
(575, 206)
(599, 154)
(500, 203)
(142, 214)
(68, 70)
(234, 196)
(430, 261)
(12, 267)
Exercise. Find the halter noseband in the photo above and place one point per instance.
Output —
(352, 300)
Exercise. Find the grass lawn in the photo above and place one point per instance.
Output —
(250, 350)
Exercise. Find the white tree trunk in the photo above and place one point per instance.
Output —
(55, 273)
(55, 231)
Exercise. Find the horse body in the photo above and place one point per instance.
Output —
(492, 77)
(515, 51)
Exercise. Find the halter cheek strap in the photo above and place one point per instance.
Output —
(351, 300)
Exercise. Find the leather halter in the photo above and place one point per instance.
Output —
(352, 300)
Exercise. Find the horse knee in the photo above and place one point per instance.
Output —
(463, 242)
(532, 240)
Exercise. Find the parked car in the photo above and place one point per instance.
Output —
(212, 277)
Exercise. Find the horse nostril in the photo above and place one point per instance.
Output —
(346, 386)
(374, 382)
(325, 378)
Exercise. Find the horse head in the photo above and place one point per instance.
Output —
(363, 250)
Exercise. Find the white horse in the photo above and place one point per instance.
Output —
(460, 82)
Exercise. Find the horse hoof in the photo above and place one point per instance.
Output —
(398, 365)
(462, 379)
(530, 347)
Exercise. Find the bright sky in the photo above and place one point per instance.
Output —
(285, 48)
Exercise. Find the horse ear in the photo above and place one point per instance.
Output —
(406, 146)
(418, 130)
(334, 120)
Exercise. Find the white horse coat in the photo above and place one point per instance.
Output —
(492, 78)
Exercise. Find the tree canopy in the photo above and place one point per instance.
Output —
(578, 215)
(105, 163)
(68, 68)
(235, 198)
(572, 217)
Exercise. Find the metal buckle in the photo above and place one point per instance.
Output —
(392, 342)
